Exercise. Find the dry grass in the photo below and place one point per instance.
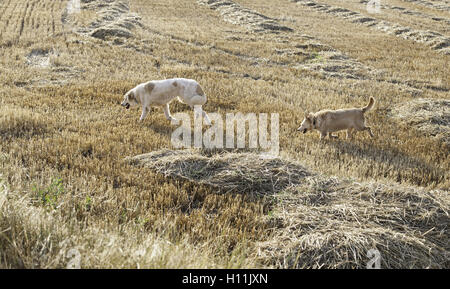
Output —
(331, 223)
(243, 173)
(430, 116)
(64, 138)
(32, 237)
(236, 14)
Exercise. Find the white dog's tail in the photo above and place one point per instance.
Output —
(369, 106)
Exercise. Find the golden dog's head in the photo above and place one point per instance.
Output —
(308, 123)
(129, 99)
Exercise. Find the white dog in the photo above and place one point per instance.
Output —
(162, 92)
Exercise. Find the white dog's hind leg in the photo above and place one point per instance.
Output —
(167, 112)
(144, 113)
(198, 109)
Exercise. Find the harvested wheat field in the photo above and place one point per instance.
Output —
(84, 184)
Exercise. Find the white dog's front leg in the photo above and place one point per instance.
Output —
(167, 112)
(144, 113)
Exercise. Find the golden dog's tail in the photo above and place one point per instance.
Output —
(369, 106)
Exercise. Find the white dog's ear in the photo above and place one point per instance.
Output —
(131, 96)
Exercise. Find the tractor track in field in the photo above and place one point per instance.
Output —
(434, 40)
(409, 12)
(114, 19)
(25, 19)
(5, 6)
(254, 59)
(236, 14)
(442, 6)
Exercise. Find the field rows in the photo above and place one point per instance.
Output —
(409, 12)
(399, 12)
(439, 5)
(24, 20)
(433, 39)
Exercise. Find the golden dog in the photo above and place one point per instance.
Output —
(329, 121)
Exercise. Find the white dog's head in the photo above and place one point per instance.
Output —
(129, 99)
(308, 123)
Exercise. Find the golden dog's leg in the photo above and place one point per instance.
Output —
(370, 131)
(349, 133)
